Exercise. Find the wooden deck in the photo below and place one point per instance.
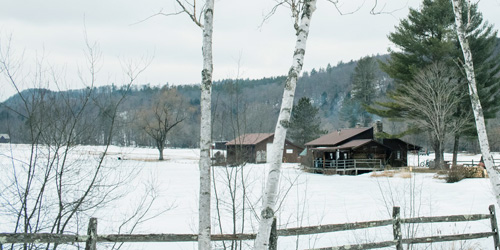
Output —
(351, 166)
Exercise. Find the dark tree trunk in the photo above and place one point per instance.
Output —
(438, 154)
(160, 150)
(455, 149)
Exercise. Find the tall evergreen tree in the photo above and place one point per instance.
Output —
(427, 36)
(363, 86)
(351, 111)
(304, 125)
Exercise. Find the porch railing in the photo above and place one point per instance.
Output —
(348, 165)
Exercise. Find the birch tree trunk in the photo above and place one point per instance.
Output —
(476, 103)
(271, 190)
(205, 129)
(204, 226)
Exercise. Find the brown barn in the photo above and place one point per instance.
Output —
(254, 148)
(357, 149)
(4, 138)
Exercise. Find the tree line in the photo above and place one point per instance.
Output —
(338, 93)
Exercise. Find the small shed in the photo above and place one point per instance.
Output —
(4, 138)
(255, 148)
(220, 145)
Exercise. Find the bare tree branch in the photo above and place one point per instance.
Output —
(160, 13)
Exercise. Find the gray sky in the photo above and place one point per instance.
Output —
(242, 48)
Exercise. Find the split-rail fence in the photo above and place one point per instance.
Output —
(92, 238)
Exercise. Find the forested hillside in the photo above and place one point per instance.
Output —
(239, 106)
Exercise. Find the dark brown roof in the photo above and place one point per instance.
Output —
(250, 139)
(409, 146)
(337, 137)
(355, 143)
(351, 144)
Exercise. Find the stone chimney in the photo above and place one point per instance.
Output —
(377, 128)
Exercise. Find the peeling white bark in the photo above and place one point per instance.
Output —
(476, 103)
(205, 130)
(271, 190)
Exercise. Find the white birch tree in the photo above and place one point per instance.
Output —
(302, 10)
(206, 129)
(190, 9)
(458, 9)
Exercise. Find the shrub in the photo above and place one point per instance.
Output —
(456, 174)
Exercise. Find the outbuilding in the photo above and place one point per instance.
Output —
(256, 148)
(4, 138)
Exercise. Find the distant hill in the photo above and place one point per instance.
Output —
(238, 105)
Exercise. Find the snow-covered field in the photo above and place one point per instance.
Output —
(309, 199)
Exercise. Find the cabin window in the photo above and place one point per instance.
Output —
(289, 151)
(398, 155)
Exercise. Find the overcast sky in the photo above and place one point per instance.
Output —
(242, 47)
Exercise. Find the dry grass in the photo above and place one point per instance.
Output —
(401, 173)
(144, 159)
(404, 174)
(425, 170)
(385, 173)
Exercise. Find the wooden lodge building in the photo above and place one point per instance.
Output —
(357, 149)
(254, 148)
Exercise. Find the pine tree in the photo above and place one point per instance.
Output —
(305, 123)
(351, 111)
(363, 87)
(428, 36)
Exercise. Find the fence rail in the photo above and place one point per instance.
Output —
(475, 162)
(92, 238)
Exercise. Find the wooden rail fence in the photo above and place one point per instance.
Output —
(472, 162)
(92, 238)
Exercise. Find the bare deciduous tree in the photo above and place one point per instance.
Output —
(164, 114)
(434, 95)
(49, 189)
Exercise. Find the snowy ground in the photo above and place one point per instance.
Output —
(310, 199)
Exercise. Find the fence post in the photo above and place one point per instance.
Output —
(92, 233)
(355, 168)
(273, 237)
(494, 226)
(396, 228)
